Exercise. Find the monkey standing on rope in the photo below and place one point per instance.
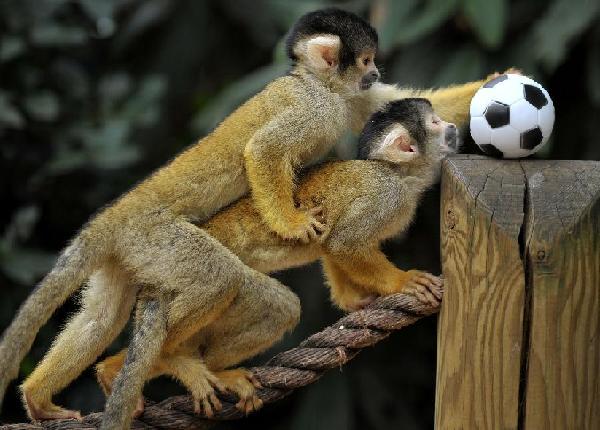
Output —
(364, 201)
(148, 236)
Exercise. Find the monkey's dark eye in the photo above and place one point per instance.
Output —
(366, 61)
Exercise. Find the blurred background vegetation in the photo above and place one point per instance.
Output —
(95, 94)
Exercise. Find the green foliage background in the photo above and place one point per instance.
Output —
(95, 94)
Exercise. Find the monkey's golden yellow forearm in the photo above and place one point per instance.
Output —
(450, 103)
(272, 190)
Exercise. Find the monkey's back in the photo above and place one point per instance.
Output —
(335, 185)
(210, 174)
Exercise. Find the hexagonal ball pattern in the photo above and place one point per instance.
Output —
(507, 140)
(492, 83)
(480, 102)
(523, 116)
(535, 96)
(523, 80)
(508, 92)
(531, 138)
(481, 131)
(497, 114)
(546, 121)
(491, 150)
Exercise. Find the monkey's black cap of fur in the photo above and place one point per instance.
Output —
(354, 32)
(409, 112)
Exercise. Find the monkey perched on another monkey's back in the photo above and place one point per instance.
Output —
(364, 202)
(150, 236)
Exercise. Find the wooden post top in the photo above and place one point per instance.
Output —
(519, 327)
(554, 194)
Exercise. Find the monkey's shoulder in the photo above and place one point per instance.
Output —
(309, 95)
(344, 180)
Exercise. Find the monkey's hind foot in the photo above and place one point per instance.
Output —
(425, 287)
(243, 383)
(139, 408)
(203, 392)
(47, 410)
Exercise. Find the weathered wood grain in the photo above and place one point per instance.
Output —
(563, 261)
(519, 328)
(480, 323)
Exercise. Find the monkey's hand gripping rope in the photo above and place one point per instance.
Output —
(288, 370)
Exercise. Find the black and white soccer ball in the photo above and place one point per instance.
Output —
(511, 116)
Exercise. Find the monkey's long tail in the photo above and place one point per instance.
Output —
(73, 267)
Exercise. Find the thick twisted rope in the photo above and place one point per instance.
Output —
(288, 370)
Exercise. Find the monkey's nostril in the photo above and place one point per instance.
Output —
(374, 75)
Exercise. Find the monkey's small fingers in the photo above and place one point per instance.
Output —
(420, 296)
(254, 381)
(436, 279)
(437, 292)
(425, 281)
(313, 235)
(304, 237)
(431, 298)
(241, 405)
(317, 210)
(215, 401)
(208, 411)
(425, 295)
(218, 385)
(249, 406)
(257, 403)
(197, 408)
(318, 226)
(139, 408)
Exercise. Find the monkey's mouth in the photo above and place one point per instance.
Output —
(450, 142)
(368, 80)
(365, 85)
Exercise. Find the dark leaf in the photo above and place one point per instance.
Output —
(487, 18)
(563, 21)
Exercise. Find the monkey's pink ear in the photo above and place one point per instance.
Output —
(403, 142)
(322, 52)
(397, 146)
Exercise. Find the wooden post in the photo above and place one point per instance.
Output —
(519, 327)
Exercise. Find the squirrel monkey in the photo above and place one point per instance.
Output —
(365, 202)
(148, 236)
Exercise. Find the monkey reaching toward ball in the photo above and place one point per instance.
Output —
(150, 236)
(365, 202)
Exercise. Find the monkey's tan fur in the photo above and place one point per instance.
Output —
(365, 202)
(149, 236)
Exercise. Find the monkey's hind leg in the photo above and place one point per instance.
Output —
(261, 314)
(345, 293)
(187, 369)
(105, 308)
(147, 341)
(107, 371)
(202, 276)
